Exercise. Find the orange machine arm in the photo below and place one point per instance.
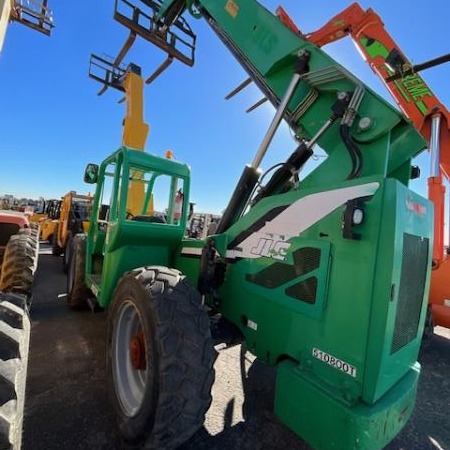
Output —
(385, 58)
(430, 117)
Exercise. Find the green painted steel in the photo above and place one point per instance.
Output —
(338, 425)
(328, 280)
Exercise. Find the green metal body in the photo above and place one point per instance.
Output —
(341, 317)
(118, 244)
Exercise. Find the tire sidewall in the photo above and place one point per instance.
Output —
(71, 269)
(134, 428)
(68, 253)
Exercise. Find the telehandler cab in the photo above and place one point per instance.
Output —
(325, 279)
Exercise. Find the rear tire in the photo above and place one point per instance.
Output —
(77, 291)
(14, 347)
(19, 265)
(160, 358)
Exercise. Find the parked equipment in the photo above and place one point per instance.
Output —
(49, 223)
(430, 117)
(74, 214)
(19, 247)
(277, 269)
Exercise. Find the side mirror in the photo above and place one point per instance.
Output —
(91, 173)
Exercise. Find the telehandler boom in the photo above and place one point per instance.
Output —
(325, 279)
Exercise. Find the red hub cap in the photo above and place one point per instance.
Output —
(137, 352)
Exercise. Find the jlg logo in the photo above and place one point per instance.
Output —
(271, 248)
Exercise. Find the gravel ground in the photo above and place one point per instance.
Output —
(67, 405)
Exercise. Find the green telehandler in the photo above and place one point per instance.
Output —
(324, 278)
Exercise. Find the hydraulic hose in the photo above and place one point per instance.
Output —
(353, 151)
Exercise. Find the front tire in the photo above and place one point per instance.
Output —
(14, 349)
(77, 291)
(160, 358)
(67, 253)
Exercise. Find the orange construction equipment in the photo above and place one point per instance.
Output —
(430, 117)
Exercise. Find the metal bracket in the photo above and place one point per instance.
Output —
(34, 14)
(178, 44)
(106, 71)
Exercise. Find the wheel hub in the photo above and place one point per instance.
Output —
(137, 351)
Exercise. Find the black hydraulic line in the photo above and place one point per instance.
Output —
(279, 179)
(358, 155)
(353, 151)
(239, 199)
(418, 67)
(298, 158)
(342, 133)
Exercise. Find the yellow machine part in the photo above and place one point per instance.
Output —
(135, 132)
(47, 229)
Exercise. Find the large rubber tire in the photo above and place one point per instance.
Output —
(77, 291)
(35, 229)
(14, 347)
(67, 251)
(19, 265)
(56, 249)
(163, 404)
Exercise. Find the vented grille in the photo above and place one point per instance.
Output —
(412, 285)
(306, 259)
(305, 291)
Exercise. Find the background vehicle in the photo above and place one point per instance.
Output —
(74, 213)
(49, 223)
(201, 225)
(18, 262)
(19, 246)
(430, 117)
(277, 269)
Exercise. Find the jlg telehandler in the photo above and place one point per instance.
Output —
(326, 279)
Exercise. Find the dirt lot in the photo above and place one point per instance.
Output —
(67, 405)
